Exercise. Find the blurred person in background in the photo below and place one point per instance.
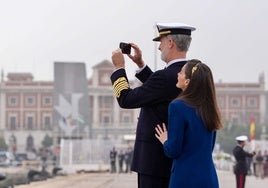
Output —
(259, 165)
(113, 155)
(121, 158)
(241, 167)
(265, 163)
(128, 159)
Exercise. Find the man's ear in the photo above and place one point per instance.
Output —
(170, 43)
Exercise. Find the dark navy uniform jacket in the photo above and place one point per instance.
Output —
(240, 155)
(153, 97)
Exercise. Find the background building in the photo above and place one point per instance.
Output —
(26, 113)
(240, 102)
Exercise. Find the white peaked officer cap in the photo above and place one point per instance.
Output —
(173, 28)
(242, 138)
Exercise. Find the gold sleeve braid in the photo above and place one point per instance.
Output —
(119, 85)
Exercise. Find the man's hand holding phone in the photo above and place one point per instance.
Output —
(136, 57)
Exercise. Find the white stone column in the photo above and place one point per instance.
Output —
(95, 111)
(116, 113)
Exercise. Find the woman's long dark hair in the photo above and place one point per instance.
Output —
(200, 93)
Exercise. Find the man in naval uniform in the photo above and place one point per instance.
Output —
(241, 167)
(158, 89)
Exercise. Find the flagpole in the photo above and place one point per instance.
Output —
(155, 50)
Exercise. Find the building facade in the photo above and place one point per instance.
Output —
(26, 114)
(26, 110)
(239, 103)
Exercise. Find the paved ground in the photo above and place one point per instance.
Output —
(227, 180)
(107, 180)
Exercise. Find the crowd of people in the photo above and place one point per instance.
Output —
(260, 164)
(120, 160)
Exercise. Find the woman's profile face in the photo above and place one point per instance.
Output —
(182, 80)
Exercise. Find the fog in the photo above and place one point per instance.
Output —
(231, 36)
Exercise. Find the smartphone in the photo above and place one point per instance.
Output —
(125, 47)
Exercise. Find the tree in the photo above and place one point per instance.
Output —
(47, 141)
(226, 136)
(3, 145)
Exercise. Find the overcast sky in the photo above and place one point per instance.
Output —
(231, 35)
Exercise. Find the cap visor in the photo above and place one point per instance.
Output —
(157, 38)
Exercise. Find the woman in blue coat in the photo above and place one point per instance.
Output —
(193, 121)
